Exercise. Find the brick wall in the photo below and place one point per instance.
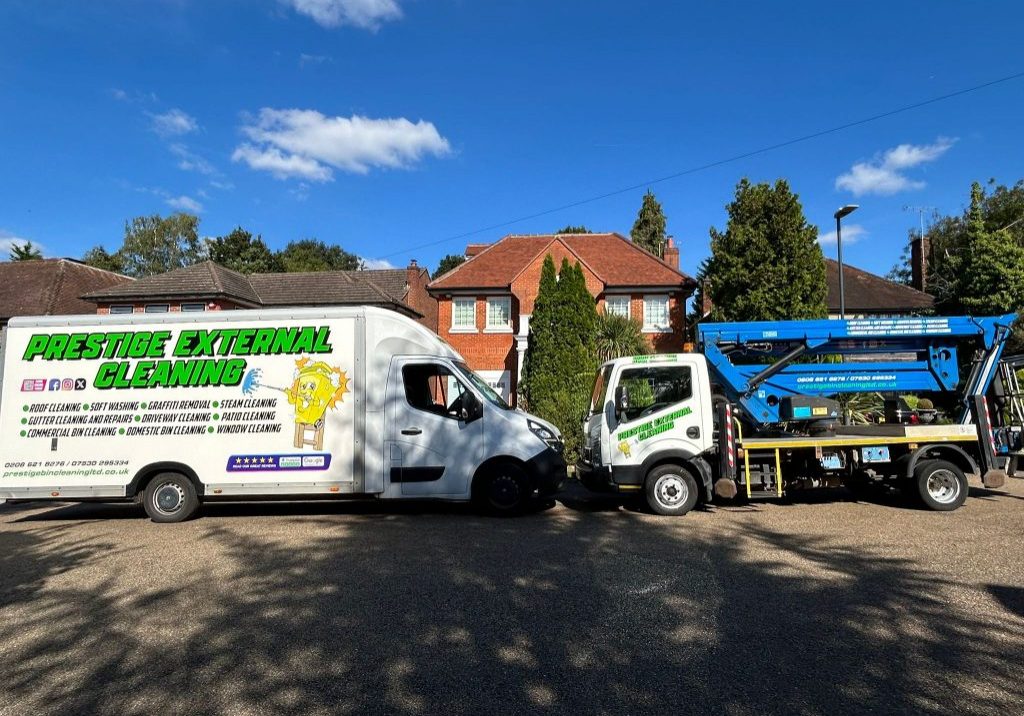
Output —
(525, 286)
(482, 350)
(418, 298)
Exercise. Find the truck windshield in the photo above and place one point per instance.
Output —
(599, 396)
(481, 385)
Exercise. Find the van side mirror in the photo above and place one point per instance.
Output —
(472, 408)
(621, 398)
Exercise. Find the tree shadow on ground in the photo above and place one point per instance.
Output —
(434, 612)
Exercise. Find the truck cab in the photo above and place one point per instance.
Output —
(650, 429)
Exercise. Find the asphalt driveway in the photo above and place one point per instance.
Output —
(828, 606)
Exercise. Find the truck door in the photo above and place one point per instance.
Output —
(664, 413)
(432, 449)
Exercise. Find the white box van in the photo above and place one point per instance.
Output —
(174, 410)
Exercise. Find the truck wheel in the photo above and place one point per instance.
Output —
(504, 490)
(941, 485)
(170, 497)
(671, 490)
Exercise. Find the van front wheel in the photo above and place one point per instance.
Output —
(671, 490)
(504, 490)
(170, 497)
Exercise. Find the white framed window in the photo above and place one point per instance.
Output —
(617, 306)
(656, 314)
(193, 307)
(157, 308)
(499, 313)
(463, 315)
(122, 308)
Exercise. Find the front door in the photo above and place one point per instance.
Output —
(432, 449)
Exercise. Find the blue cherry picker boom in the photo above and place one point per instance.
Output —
(757, 411)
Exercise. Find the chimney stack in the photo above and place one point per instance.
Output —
(671, 253)
(920, 248)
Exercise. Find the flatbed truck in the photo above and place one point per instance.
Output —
(753, 413)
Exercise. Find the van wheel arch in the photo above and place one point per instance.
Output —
(490, 463)
(143, 477)
(519, 481)
(696, 465)
(950, 453)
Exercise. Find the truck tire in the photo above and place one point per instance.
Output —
(170, 497)
(941, 485)
(670, 490)
(503, 490)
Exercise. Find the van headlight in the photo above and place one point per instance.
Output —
(545, 433)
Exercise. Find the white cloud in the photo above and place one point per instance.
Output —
(9, 240)
(376, 264)
(223, 185)
(190, 161)
(367, 14)
(185, 203)
(884, 174)
(305, 59)
(302, 143)
(173, 123)
(852, 233)
(119, 94)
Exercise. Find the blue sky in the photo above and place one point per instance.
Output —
(384, 125)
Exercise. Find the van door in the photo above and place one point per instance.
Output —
(432, 447)
(664, 412)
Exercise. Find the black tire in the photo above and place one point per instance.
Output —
(503, 490)
(941, 485)
(670, 490)
(170, 497)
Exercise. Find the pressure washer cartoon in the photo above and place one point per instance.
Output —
(315, 389)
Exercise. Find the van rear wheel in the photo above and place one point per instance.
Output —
(670, 490)
(941, 485)
(503, 490)
(170, 497)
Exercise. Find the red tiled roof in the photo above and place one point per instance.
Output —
(50, 287)
(612, 257)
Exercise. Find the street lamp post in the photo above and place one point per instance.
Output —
(844, 211)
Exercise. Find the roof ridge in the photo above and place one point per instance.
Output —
(55, 287)
(212, 267)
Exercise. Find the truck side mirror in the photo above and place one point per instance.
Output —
(472, 408)
(621, 398)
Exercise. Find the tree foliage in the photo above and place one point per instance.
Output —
(240, 251)
(99, 257)
(561, 355)
(648, 230)
(570, 229)
(766, 265)
(990, 277)
(155, 244)
(315, 255)
(25, 252)
(448, 263)
(618, 336)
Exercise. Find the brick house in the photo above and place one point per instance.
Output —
(868, 294)
(209, 286)
(484, 305)
(50, 287)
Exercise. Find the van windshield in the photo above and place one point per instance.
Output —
(481, 385)
(599, 396)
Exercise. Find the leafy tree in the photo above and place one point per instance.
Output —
(315, 255)
(25, 252)
(619, 336)
(1002, 208)
(648, 230)
(239, 251)
(991, 276)
(561, 354)
(448, 263)
(767, 264)
(99, 257)
(155, 244)
(570, 229)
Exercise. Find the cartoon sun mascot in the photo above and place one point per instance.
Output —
(316, 388)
